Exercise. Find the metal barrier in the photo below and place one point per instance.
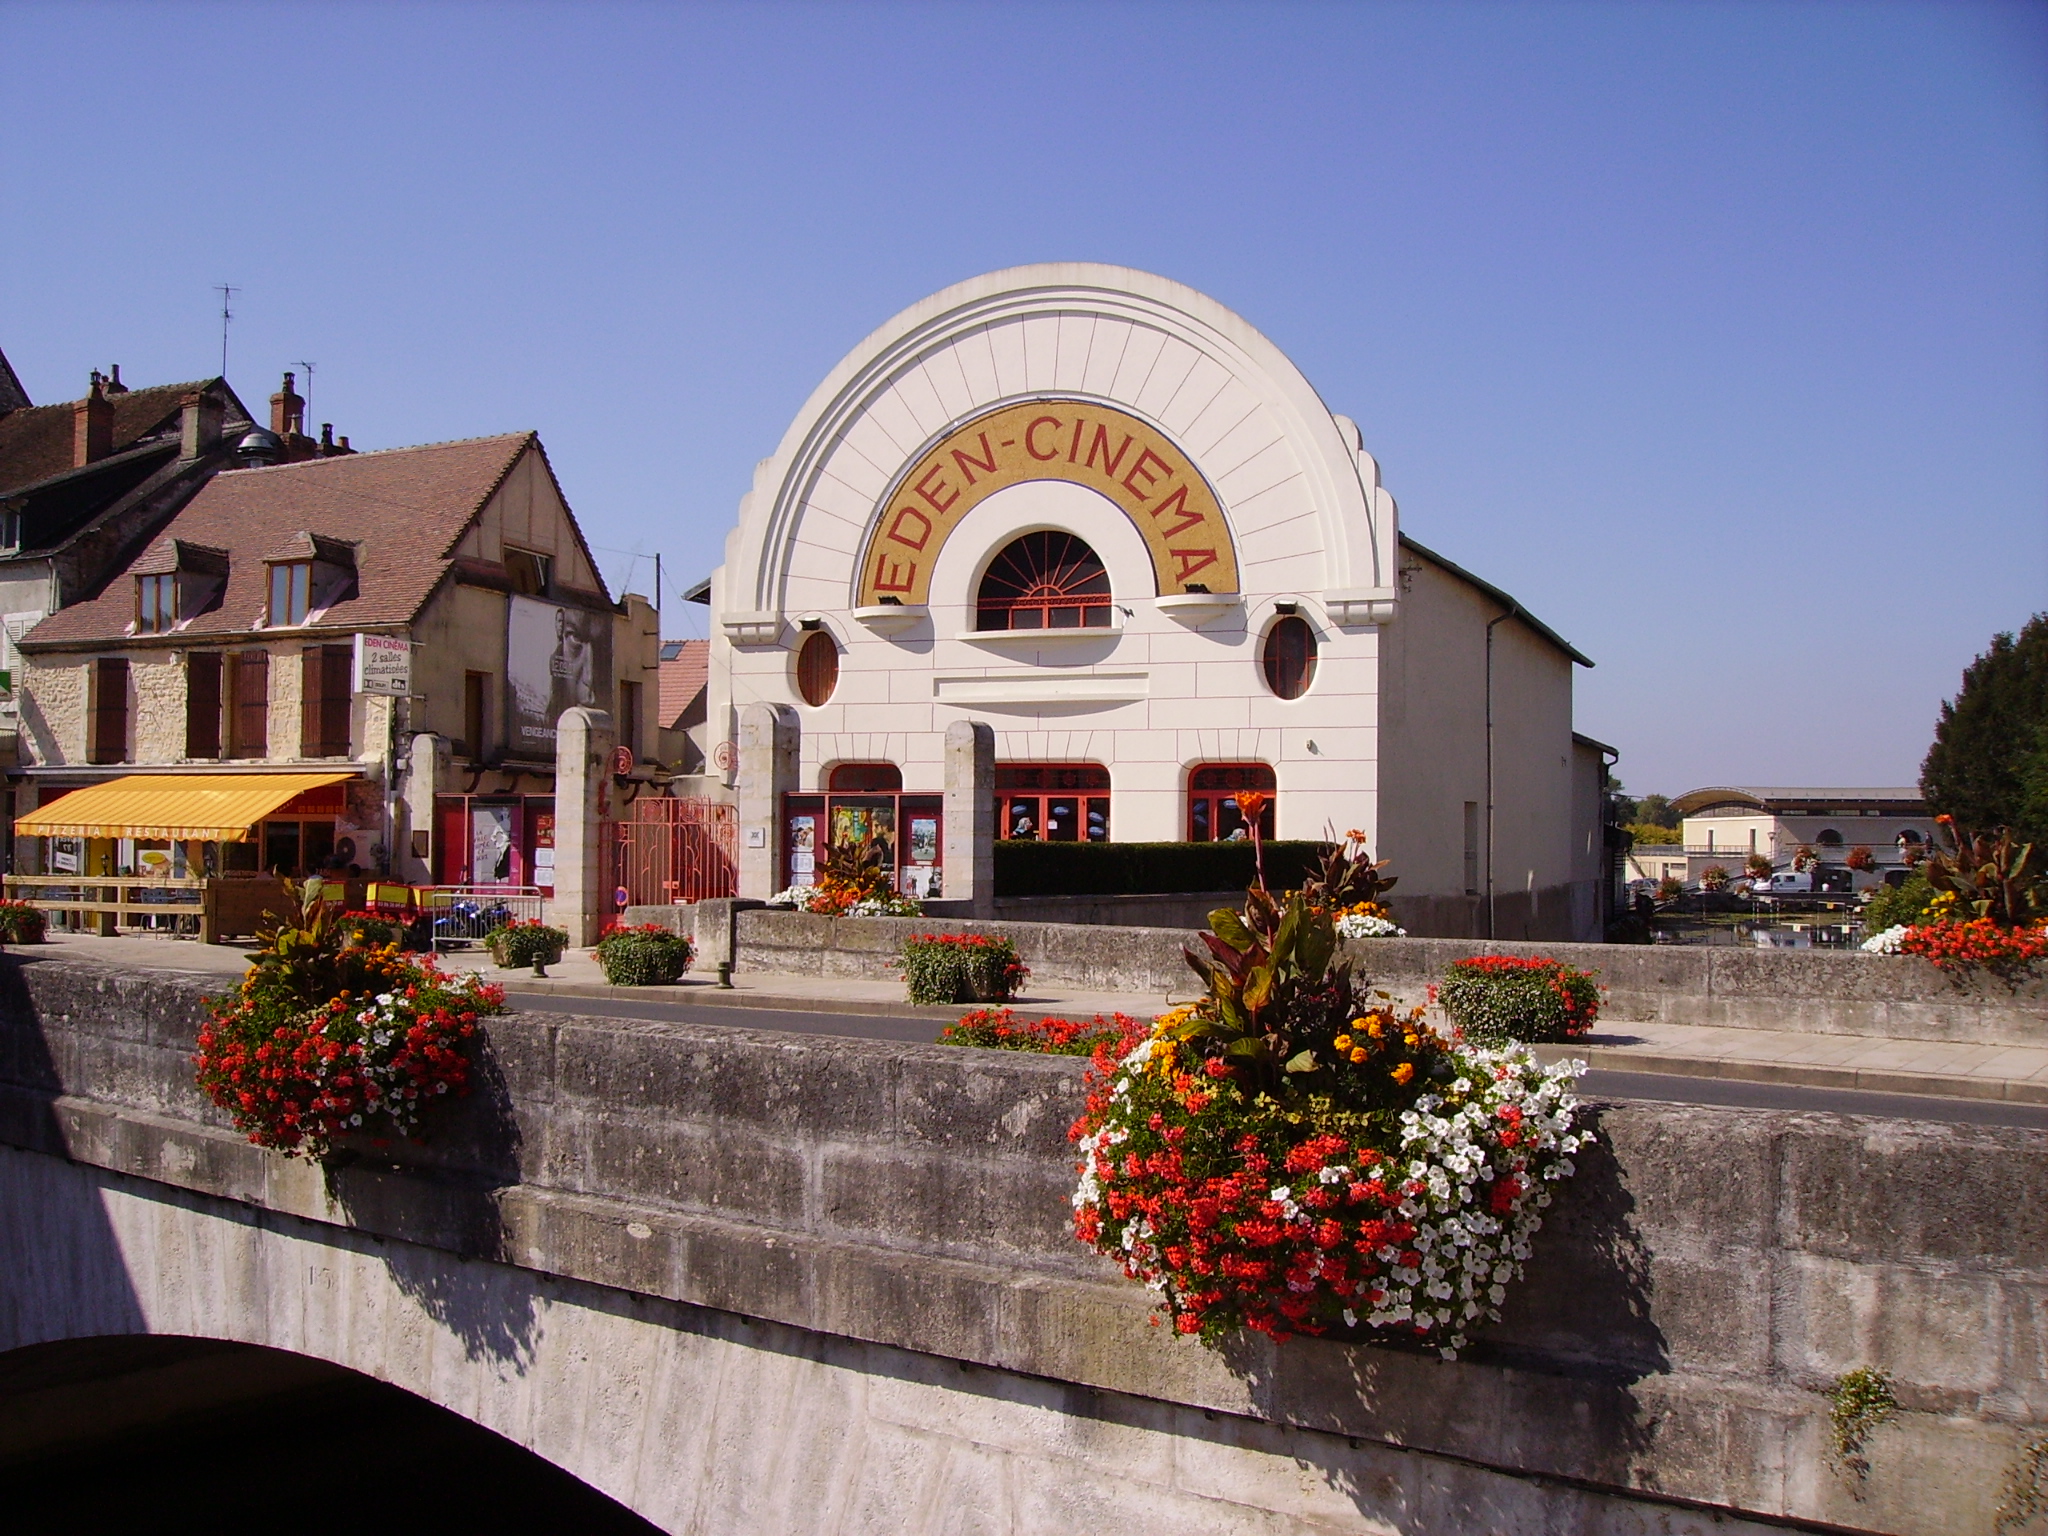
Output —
(457, 916)
(669, 848)
(131, 901)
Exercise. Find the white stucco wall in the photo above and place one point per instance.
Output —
(1163, 693)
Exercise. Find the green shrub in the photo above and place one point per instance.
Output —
(961, 968)
(21, 923)
(1533, 999)
(1147, 869)
(1896, 904)
(369, 930)
(647, 956)
(521, 944)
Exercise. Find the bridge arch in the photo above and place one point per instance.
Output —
(129, 1431)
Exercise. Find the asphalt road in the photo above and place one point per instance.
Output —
(1601, 1083)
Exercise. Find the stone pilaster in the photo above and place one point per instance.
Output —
(584, 739)
(767, 771)
(971, 817)
(430, 770)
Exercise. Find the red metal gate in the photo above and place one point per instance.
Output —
(668, 850)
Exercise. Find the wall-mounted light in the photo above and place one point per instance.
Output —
(1287, 607)
(813, 622)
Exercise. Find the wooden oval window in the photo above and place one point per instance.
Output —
(817, 668)
(1290, 657)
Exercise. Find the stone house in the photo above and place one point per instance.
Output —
(249, 644)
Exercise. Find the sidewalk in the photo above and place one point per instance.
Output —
(2012, 1073)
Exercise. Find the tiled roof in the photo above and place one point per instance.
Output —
(39, 441)
(403, 508)
(682, 678)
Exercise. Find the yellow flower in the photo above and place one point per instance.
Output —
(1343, 1042)
(1403, 1072)
(1373, 1028)
(1358, 1054)
(1410, 1040)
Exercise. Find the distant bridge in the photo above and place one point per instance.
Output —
(747, 1282)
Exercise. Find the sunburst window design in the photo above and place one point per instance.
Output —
(1044, 581)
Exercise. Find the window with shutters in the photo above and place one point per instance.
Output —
(323, 719)
(249, 711)
(109, 742)
(202, 704)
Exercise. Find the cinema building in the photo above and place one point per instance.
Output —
(1093, 519)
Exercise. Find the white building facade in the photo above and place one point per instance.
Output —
(1101, 515)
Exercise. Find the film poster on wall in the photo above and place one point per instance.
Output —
(556, 658)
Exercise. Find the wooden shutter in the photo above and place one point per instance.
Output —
(338, 662)
(202, 704)
(252, 704)
(109, 742)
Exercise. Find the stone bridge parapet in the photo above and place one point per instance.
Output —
(1707, 1276)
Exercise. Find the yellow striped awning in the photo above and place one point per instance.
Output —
(183, 807)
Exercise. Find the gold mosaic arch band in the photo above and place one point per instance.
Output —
(1109, 451)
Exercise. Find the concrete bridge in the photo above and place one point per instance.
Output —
(751, 1282)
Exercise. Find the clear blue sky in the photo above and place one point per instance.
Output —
(1717, 333)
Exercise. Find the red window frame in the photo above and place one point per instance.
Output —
(1044, 580)
(1052, 802)
(1289, 656)
(1212, 808)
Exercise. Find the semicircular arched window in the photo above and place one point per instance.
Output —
(1044, 580)
(1290, 657)
(817, 668)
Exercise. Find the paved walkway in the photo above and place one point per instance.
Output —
(2012, 1073)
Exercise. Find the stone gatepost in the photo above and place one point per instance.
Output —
(584, 739)
(429, 771)
(971, 818)
(767, 771)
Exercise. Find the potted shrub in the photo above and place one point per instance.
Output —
(999, 1029)
(852, 883)
(324, 1038)
(961, 968)
(21, 923)
(371, 930)
(1498, 999)
(1290, 1154)
(518, 944)
(644, 956)
(1714, 878)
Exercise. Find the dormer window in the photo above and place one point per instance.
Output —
(291, 591)
(531, 573)
(10, 528)
(175, 581)
(309, 574)
(156, 604)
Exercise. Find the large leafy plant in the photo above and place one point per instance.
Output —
(1986, 875)
(1270, 969)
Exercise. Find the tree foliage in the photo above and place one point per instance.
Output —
(1988, 766)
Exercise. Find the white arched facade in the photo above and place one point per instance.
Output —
(864, 525)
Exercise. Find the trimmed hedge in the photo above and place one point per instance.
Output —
(1146, 869)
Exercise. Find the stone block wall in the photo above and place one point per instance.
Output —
(1817, 991)
(1703, 1281)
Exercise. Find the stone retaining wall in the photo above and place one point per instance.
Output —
(1708, 1274)
(1818, 991)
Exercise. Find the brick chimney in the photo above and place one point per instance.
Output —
(288, 411)
(92, 425)
(203, 414)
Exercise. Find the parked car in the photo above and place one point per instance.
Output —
(1821, 881)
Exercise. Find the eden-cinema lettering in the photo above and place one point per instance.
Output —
(1111, 452)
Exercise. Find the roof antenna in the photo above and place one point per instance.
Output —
(309, 387)
(226, 293)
